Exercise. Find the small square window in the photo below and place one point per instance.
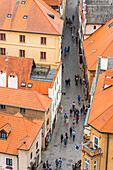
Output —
(25, 17)
(29, 85)
(94, 27)
(2, 51)
(22, 110)
(23, 84)
(43, 40)
(43, 55)
(37, 145)
(2, 107)
(9, 161)
(9, 16)
(31, 155)
(22, 53)
(22, 38)
(23, 2)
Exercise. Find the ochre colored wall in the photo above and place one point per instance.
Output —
(33, 47)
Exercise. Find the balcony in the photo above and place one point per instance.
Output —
(88, 148)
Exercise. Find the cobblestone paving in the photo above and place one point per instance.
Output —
(55, 149)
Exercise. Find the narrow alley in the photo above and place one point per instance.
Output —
(56, 149)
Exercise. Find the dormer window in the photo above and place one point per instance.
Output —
(23, 2)
(9, 16)
(3, 135)
(25, 17)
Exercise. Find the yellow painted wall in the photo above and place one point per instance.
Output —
(101, 160)
(33, 47)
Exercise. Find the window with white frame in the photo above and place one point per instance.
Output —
(95, 165)
(86, 164)
(95, 142)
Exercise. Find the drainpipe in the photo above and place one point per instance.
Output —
(107, 151)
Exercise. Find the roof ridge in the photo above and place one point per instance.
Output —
(46, 16)
(38, 99)
(100, 114)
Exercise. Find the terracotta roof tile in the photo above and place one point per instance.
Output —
(23, 133)
(24, 98)
(37, 17)
(101, 115)
(100, 43)
(53, 2)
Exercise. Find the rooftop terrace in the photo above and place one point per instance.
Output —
(43, 73)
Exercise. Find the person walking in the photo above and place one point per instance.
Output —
(67, 120)
(80, 81)
(61, 136)
(79, 99)
(76, 80)
(71, 111)
(73, 123)
(66, 81)
(73, 17)
(56, 162)
(73, 106)
(83, 107)
(65, 116)
(70, 132)
(65, 141)
(73, 133)
(68, 49)
(69, 81)
(77, 117)
(66, 135)
(50, 167)
(44, 166)
(47, 164)
(81, 111)
(61, 108)
(60, 162)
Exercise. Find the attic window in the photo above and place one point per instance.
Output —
(3, 135)
(29, 85)
(23, 84)
(23, 2)
(9, 16)
(25, 17)
(91, 42)
(110, 25)
(94, 51)
(51, 15)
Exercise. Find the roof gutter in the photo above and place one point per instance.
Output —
(30, 32)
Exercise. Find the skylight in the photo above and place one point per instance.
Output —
(9, 16)
(25, 17)
(91, 42)
(23, 2)
(94, 51)
(110, 25)
(29, 85)
(51, 15)
(23, 84)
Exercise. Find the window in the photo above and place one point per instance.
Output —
(47, 123)
(47, 110)
(2, 37)
(95, 165)
(23, 84)
(29, 85)
(86, 164)
(43, 40)
(25, 17)
(9, 16)
(9, 161)
(43, 56)
(23, 2)
(2, 51)
(22, 53)
(37, 145)
(94, 27)
(31, 155)
(22, 38)
(22, 110)
(95, 142)
(2, 107)
(3, 135)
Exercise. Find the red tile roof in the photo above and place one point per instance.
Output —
(24, 98)
(101, 115)
(100, 43)
(53, 2)
(37, 17)
(22, 135)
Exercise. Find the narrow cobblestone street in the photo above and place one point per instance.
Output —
(68, 153)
